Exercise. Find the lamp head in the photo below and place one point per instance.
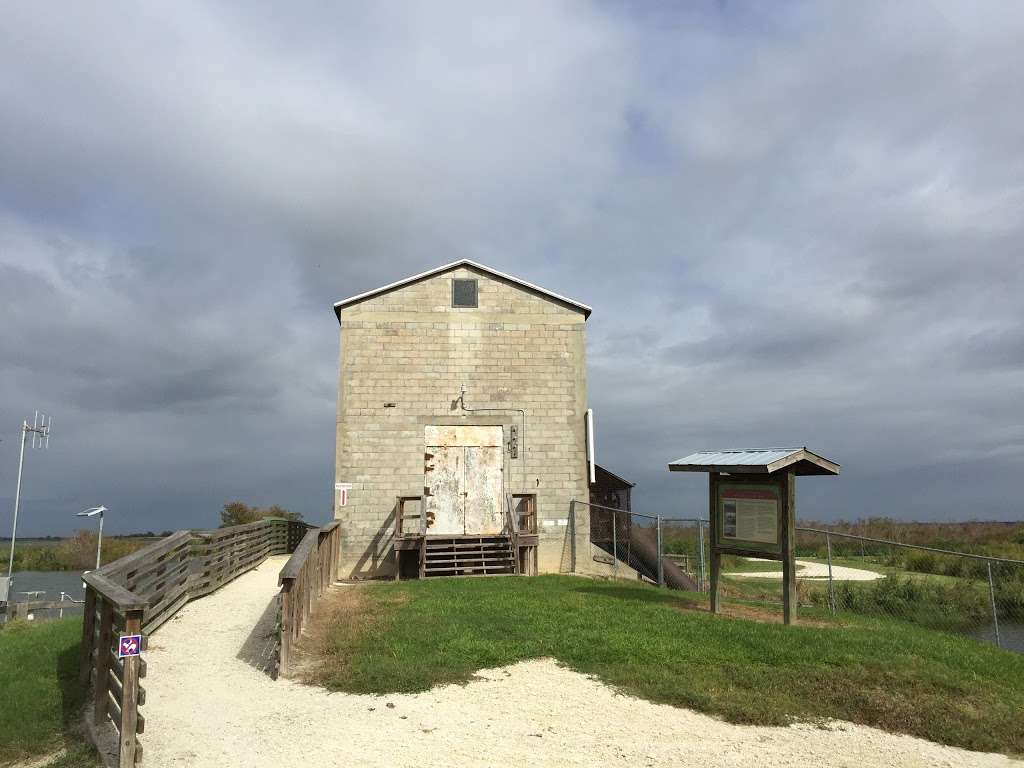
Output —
(91, 511)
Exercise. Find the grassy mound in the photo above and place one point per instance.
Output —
(652, 643)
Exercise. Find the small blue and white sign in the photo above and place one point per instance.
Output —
(129, 645)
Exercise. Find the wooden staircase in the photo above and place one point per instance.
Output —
(468, 556)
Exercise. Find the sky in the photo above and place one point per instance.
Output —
(797, 224)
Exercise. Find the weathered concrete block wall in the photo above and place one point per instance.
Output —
(410, 347)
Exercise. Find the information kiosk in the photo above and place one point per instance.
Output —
(752, 507)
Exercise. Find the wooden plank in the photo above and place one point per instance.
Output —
(88, 637)
(716, 557)
(160, 616)
(117, 690)
(102, 661)
(114, 593)
(117, 666)
(129, 700)
(295, 562)
(146, 581)
(144, 556)
(788, 542)
(113, 711)
(286, 626)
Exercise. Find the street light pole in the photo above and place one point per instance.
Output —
(99, 541)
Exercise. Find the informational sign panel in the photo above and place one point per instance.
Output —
(129, 645)
(748, 516)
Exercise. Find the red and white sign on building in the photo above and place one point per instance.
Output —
(343, 489)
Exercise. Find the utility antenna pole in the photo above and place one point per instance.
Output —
(40, 431)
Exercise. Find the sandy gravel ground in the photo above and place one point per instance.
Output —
(208, 704)
(815, 571)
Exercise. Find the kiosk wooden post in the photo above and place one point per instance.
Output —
(752, 509)
(716, 557)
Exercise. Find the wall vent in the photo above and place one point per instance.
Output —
(464, 293)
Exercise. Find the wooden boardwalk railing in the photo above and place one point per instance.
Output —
(136, 594)
(310, 570)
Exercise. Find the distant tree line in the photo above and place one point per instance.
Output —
(239, 513)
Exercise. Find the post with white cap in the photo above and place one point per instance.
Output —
(92, 512)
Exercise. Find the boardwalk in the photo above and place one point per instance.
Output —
(210, 706)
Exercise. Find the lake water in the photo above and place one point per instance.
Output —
(51, 584)
(1011, 636)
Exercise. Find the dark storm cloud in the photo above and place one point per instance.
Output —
(796, 226)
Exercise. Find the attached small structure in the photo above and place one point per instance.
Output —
(752, 507)
(460, 432)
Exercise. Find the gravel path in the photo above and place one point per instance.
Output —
(208, 704)
(811, 570)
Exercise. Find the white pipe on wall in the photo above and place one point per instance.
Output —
(590, 445)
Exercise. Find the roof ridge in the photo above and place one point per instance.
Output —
(452, 265)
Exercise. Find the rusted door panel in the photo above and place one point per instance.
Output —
(483, 490)
(444, 477)
(459, 435)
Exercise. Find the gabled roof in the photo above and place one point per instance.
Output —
(762, 461)
(613, 476)
(455, 264)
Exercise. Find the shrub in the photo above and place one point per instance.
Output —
(237, 513)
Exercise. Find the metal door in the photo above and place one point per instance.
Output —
(444, 481)
(462, 480)
(483, 490)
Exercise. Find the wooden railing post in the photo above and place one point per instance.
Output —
(130, 694)
(88, 637)
(103, 643)
(286, 627)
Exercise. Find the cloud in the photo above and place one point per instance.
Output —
(798, 226)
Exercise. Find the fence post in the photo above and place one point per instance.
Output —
(615, 547)
(992, 597)
(661, 569)
(130, 694)
(88, 637)
(285, 607)
(103, 643)
(701, 584)
(831, 588)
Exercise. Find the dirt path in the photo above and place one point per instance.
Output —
(811, 570)
(209, 705)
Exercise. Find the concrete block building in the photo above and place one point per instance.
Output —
(462, 397)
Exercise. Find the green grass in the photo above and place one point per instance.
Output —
(743, 565)
(411, 636)
(41, 700)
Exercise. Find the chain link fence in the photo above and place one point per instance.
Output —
(974, 595)
(968, 594)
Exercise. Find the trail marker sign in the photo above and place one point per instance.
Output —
(129, 645)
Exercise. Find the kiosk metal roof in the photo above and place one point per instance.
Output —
(756, 461)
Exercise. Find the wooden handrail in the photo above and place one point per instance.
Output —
(513, 529)
(135, 594)
(310, 570)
